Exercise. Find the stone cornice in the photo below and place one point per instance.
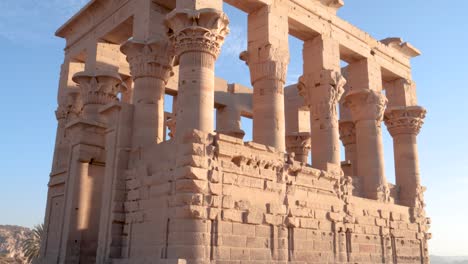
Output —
(201, 30)
(404, 120)
(153, 58)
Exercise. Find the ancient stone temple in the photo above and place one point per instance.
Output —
(131, 183)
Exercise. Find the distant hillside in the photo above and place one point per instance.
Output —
(11, 238)
(449, 260)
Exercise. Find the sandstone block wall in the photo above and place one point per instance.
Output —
(226, 201)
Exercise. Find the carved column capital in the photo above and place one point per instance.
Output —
(99, 88)
(328, 78)
(321, 92)
(347, 132)
(300, 144)
(384, 193)
(171, 125)
(366, 105)
(71, 107)
(201, 30)
(153, 58)
(404, 120)
(267, 62)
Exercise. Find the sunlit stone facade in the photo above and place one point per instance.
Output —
(131, 183)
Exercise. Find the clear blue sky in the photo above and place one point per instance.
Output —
(30, 66)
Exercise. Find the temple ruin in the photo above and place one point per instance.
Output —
(131, 183)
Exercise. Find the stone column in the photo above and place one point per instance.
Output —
(98, 88)
(151, 67)
(68, 110)
(367, 108)
(348, 137)
(299, 144)
(197, 35)
(268, 59)
(404, 124)
(322, 87)
(228, 122)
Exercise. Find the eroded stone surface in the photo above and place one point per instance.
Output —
(131, 183)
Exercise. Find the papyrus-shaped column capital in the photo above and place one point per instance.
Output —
(404, 120)
(299, 143)
(322, 90)
(404, 124)
(101, 87)
(97, 89)
(347, 132)
(153, 58)
(70, 107)
(202, 30)
(197, 30)
(267, 62)
(367, 108)
(366, 105)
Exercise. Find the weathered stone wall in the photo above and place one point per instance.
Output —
(233, 202)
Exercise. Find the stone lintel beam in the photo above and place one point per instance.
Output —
(322, 86)
(268, 58)
(197, 37)
(151, 67)
(404, 124)
(367, 108)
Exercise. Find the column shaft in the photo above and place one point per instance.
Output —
(406, 166)
(228, 121)
(151, 67)
(196, 92)
(367, 108)
(268, 113)
(370, 156)
(197, 44)
(148, 119)
(322, 87)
